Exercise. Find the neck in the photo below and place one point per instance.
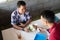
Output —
(19, 12)
(50, 25)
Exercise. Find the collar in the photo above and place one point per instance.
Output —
(54, 25)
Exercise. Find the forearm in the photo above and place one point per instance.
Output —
(17, 27)
(28, 22)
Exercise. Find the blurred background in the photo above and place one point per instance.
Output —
(34, 6)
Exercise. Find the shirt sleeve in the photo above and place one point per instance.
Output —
(13, 18)
(28, 15)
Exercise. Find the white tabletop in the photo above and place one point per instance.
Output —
(31, 35)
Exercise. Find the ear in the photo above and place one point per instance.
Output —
(46, 22)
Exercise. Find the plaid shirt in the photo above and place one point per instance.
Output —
(15, 17)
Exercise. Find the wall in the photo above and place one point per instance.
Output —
(32, 4)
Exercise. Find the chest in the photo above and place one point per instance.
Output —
(21, 17)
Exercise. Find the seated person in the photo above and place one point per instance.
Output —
(48, 19)
(20, 18)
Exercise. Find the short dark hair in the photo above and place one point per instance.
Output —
(19, 3)
(48, 15)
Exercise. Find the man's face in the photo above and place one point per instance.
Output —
(44, 21)
(22, 9)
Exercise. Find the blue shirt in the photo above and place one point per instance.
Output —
(16, 18)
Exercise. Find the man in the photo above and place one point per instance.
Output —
(48, 19)
(20, 18)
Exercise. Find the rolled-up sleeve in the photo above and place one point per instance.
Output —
(13, 18)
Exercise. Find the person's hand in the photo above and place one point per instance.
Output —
(19, 28)
(42, 29)
(22, 25)
(26, 29)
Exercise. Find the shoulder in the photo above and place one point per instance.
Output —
(58, 26)
(27, 13)
(14, 13)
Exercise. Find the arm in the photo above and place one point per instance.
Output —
(27, 23)
(13, 21)
(17, 27)
(29, 19)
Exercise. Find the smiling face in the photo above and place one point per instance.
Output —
(22, 9)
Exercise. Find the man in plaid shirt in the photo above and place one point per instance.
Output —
(20, 18)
